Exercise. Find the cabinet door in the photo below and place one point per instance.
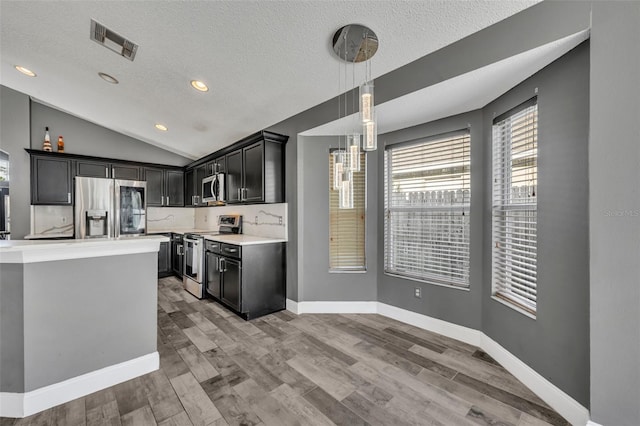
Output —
(200, 174)
(120, 171)
(174, 188)
(234, 176)
(189, 187)
(51, 181)
(92, 169)
(253, 157)
(155, 187)
(231, 283)
(219, 165)
(210, 168)
(212, 283)
(164, 260)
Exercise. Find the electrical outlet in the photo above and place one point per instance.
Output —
(205, 218)
(418, 292)
(280, 220)
(64, 219)
(256, 221)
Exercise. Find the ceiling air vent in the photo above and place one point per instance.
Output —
(113, 41)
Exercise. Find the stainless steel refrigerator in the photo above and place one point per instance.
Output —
(109, 208)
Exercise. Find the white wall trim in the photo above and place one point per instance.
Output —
(458, 332)
(564, 404)
(26, 404)
(568, 407)
(292, 306)
(592, 423)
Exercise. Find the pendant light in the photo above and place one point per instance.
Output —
(346, 192)
(353, 148)
(338, 169)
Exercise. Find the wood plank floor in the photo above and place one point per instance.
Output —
(283, 369)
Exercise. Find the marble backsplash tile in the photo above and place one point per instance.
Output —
(51, 220)
(261, 220)
(162, 218)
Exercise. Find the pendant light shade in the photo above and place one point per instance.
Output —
(353, 149)
(366, 102)
(346, 192)
(338, 169)
(370, 136)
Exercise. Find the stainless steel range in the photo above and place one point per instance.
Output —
(194, 253)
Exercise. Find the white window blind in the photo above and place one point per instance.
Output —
(427, 198)
(515, 179)
(347, 226)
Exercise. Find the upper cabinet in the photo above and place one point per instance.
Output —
(165, 187)
(51, 180)
(52, 177)
(193, 185)
(255, 173)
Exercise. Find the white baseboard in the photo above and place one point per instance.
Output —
(458, 332)
(292, 306)
(564, 404)
(337, 307)
(592, 423)
(26, 404)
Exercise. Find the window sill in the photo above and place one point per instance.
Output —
(454, 287)
(514, 307)
(347, 271)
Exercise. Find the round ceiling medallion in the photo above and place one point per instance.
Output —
(355, 43)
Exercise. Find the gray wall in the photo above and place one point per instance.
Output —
(14, 138)
(450, 304)
(317, 283)
(542, 23)
(556, 344)
(85, 138)
(11, 329)
(614, 179)
(82, 315)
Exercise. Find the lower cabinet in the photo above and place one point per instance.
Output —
(248, 279)
(164, 258)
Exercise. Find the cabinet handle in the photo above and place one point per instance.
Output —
(113, 172)
(167, 200)
(231, 250)
(239, 196)
(245, 194)
(106, 172)
(217, 264)
(68, 197)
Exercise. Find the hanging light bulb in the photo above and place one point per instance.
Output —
(338, 169)
(346, 192)
(366, 102)
(353, 148)
(370, 136)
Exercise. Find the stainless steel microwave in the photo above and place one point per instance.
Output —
(213, 188)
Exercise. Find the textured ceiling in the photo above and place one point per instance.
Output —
(264, 61)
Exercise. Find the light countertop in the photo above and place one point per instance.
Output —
(47, 236)
(31, 251)
(178, 231)
(242, 239)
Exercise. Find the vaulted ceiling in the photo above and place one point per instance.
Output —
(263, 61)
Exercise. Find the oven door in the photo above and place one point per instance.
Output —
(130, 208)
(193, 259)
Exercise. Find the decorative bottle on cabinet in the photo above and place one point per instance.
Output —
(46, 146)
(60, 144)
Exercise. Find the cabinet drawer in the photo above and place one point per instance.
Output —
(231, 250)
(213, 246)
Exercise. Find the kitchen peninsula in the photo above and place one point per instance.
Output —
(76, 316)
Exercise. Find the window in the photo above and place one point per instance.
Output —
(514, 205)
(347, 226)
(427, 196)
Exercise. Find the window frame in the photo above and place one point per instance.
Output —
(502, 228)
(465, 208)
(363, 169)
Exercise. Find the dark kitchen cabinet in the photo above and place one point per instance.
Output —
(255, 173)
(155, 186)
(234, 176)
(249, 279)
(217, 165)
(87, 168)
(193, 185)
(121, 171)
(164, 259)
(51, 180)
(165, 187)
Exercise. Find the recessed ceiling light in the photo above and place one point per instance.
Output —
(25, 71)
(161, 127)
(198, 85)
(108, 78)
